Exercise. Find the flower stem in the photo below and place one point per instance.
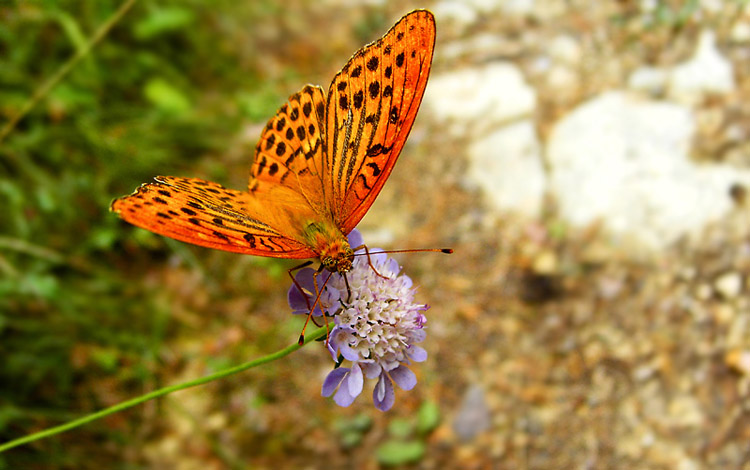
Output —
(319, 333)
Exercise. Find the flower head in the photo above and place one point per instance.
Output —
(376, 325)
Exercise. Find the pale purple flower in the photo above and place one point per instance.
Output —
(376, 326)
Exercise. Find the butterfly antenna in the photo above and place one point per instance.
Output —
(301, 340)
(419, 250)
(447, 251)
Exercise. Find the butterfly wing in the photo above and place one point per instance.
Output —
(290, 150)
(207, 214)
(371, 105)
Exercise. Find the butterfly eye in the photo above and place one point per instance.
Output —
(329, 263)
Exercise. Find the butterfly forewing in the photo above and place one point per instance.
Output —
(290, 149)
(207, 214)
(371, 106)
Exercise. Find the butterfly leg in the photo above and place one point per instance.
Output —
(301, 340)
(348, 289)
(369, 260)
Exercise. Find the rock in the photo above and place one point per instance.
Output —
(706, 72)
(564, 49)
(739, 360)
(624, 162)
(474, 415)
(478, 99)
(507, 166)
(686, 410)
(648, 79)
(545, 263)
(457, 12)
(740, 32)
(729, 285)
(517, 7)
(462, 13)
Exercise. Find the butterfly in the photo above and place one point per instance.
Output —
(319, 164)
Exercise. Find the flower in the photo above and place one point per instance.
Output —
(376, 325)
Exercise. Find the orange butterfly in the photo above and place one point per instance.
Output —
(319, 165)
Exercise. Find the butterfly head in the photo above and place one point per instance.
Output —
(339, 262)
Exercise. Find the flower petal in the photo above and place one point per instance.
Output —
(371, 369)
(297, 300)
(355, 380)
(343, 397)
(378, 258)
(383, 394)
(341, 337)
(355, 239)
(332, 381)
(417, 336)
(404, 377)
(416, 353)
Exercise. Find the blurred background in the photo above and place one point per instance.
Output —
(588, 162)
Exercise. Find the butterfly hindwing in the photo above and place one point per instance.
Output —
(207, 214)
(371, 106)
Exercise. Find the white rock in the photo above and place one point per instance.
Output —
(740, 32)
(457, 12)
(507, 166)
(706, 72)
(479, 99)
(729, 285)
(564, 49)
(648, 79)
(517, 7)
(648, 6)
(478, 45)
(625, 162)
(713, 6)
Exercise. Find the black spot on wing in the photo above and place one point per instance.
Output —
(374, 89)
(358, 99)
(400, 59)
(280, 149)
(393, 115)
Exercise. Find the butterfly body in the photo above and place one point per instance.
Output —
(330, 245)
(319, 164)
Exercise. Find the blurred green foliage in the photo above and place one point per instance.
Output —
(171, 85)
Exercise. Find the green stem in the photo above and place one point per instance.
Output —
(47, 86)
(319, 333)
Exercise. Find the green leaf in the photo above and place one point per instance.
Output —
(166, 97)
(400, 428)
(397, 452)
(428, 417)
(163, 20)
